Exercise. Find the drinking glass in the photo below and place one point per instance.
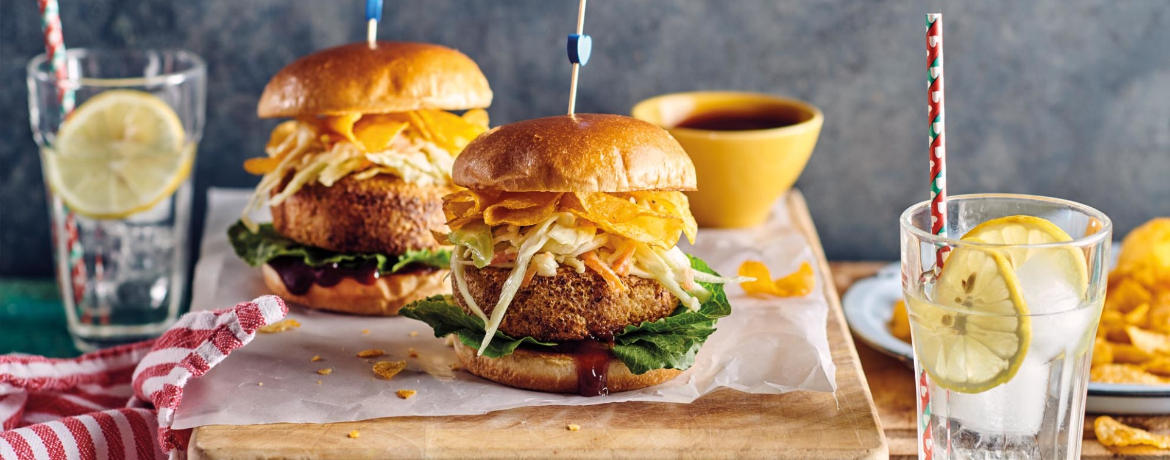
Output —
(119, 184)
(1003, 328)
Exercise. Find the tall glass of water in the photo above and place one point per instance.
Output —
(117, 141)
(1002, 320)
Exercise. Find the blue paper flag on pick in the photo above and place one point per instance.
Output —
(374, 10)
(580, 47)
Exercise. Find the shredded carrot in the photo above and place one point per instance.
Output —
(529, 275)
(606, 273)
(624, 260)
(503, 257)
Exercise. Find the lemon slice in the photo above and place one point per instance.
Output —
(1069, 262)
(975, 334)
(119, 153)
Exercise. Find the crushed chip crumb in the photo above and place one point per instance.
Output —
(354, 434)
(371, 353)
(280, 326)
(325, 371)
(316, 358)
(260, 384)
(406, 394)
(365, 331)
(573, 427)
(414, 333)
(318, 382)
(388, 369)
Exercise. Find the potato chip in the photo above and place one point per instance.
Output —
(1160, 313)
(1112, 327)
(1159, 366)
(1125, 353)
(654, 218)
(371, 353)
(388, 369)
(796, 284)
(1124, 373)
(1145, 253)
(522, 208)
(1139, 316)
(900, 322)
(1112, 433)
(1126, 296)
(621, 216)
(674, 204)
(1150, 342)
(280, 326)
(1102, 352)
(478, 117)
(325, 371)
(375, 132)
(405, 394)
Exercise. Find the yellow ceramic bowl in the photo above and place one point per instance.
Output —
(740, 173)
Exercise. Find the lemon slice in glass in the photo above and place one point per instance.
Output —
(975, 334)
(1068, 262)
(119, 153)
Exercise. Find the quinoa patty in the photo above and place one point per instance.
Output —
(570, 305)
(382, 214)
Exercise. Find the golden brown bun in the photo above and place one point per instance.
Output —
(393, 77)
(385, 297)
(570, 305)
(580, 153)
(382, 214)
(552, 372)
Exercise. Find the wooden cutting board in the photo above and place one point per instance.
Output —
(725, 424)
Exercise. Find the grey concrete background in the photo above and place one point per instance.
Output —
(1068, 98)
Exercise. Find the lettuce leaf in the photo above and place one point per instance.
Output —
(445, 317)
(668, 343)
(266, 244)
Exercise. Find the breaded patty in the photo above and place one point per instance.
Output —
(570, 305)
(382, 214)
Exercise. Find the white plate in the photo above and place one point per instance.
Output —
(867, 306)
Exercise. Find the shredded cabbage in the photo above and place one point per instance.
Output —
(308, 158)
(461, 282)
(512, 284)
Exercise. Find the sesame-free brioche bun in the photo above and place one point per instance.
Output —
(384, 297)
(575, 153)
(392, 77)
(552, 372)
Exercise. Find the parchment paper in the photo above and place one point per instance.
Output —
(764, 346)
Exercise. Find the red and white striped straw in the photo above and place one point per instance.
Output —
(938, 147)
(938, 198)
(55, 51)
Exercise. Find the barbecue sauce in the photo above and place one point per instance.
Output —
(591, 356)
(299, 277)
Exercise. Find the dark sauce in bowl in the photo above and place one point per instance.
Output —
(738, 120)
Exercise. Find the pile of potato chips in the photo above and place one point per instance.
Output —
(1133, 339)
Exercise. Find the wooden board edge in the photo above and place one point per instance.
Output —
(798, 211)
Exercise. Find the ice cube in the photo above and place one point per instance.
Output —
(1059, 321)
(1014, 408)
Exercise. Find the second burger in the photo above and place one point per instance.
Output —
(355, 181)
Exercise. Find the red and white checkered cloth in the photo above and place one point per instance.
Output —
(119, 403)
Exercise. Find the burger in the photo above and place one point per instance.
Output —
(565, 272)
(355, 179)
